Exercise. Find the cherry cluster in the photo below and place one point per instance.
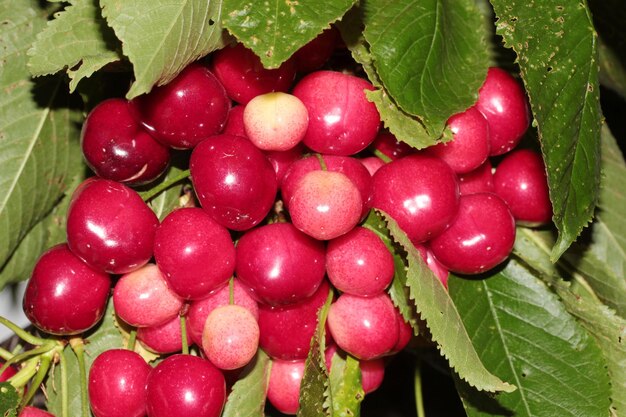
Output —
(284, 179)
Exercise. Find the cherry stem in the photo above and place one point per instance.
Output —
(183, 335)
(21, 333)
(132, 339)
(231, 291)
(25, 374)
(320, 158)
(167, 183)
(417, 386)
(23, 356)
(382, 156)
(5, 354)
(78, 346)
(44, 362)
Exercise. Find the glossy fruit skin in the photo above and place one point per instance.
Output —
(359, 263)
(110, 227)
(283, 389)
(420, 192)
(471, 142)
(387, 144)
(230, 338)
(30, 411)
(244, 77)
(234, 181)
(199, 310)
(194, 252)
(7, 373)
(116, 147)
(163, 338)
(142, 298)
(185, 385)
(234, 124)
(65, 296)
(502, 101)
(364, 327)
(325, 205)
(280, 264)
(316, 52)
(479, 180)
(341, 119)
(286, 331)
(521, 181)
(187, 110)
(372, 163)
(282, 160)
(117, 384)
(480, 238)
(433, 264)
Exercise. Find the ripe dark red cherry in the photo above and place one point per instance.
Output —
(116, 147)
(190, 108)
(185, 385)
(479, 180)
(244, 77)
(194, 252)
(503, 102)
(234, 124)
(117, 384)
(392, 148)
(480, 238)
(420, 192)
(283, 389)
(314, 54)
(521, 181)
(341, 119)
(110, 227)
(65, 296)
(280, 264)
(7, 373)
(30, 411)
(234, 181)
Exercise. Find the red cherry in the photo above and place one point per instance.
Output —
(392, 148)
(316, 52)
(30, 411)
(163, 338)
(479, 180)
(283, 389)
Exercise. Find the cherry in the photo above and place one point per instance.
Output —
(364, 327)
(316, 52)
(387, 144)
(233, 180)
(418, 191)
(230, 337)
(405, 334)
(163, 338)
(30, 411)
(359, 263)
(341, 119)
(521, 181)
(234, 124)
(480, 238)
(64, 295)
(470, 145)
(110, 227)
(190, 108)
(185, 244)
(433, 264)
(244, 77)
(372, 163)
(325, 204)
(280, 264)
(283, 389)
(372, 371)
(479, 180)
(286, 331)
(117, 384)
(199, 310)
(275, 121)
(282, 160)
(143, 299)
(7, 373)
(503, 103)
(116, 147)
(185, 385)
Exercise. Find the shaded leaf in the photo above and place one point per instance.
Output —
(558, 57)
(77, 40)
(275, 30)
(435, 306)
(168, 200)
(402, 125)
(346, 387)
(431, 56)
(9, 400)
(39, 134)
(160, 37)
(247, 397)
(524, 334)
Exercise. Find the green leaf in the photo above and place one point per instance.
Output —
(45, 234)
(39, 134)
(170, 199)
(9, 400)
(78, 40)
(558, 57)
(161, 37)
(103, 337)
(609, 330)
(431, 56)
(275, 30)
(524, 334)
(402, 125)
(346, 387)
(315, 395)
(247, 397)
(442, 318)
